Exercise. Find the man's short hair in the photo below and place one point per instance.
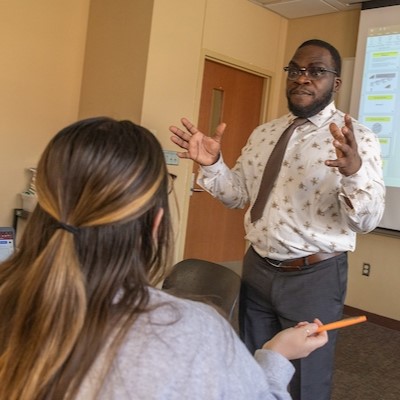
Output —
(337, 60)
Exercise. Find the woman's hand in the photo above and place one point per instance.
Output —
(299, 341)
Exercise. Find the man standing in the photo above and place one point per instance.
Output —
(304, 212)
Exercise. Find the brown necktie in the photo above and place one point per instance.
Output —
(272, 169)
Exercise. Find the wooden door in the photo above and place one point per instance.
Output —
(214, 232)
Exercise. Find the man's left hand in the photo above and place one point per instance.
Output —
(348, 160)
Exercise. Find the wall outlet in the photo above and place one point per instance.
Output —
(366, 269)
(171, 158)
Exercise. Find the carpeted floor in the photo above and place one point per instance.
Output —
(367, 363)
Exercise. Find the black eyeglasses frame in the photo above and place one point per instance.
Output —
(319, 72)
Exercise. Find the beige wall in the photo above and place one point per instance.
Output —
(42, 49)
(379, 292)
(116, 58)
(171, 86)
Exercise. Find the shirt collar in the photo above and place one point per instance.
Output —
(320, 118)
(324, 115)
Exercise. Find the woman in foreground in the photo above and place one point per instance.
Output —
(80, 317)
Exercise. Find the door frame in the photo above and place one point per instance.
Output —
(270, 83)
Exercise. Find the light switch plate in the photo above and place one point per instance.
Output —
(171, 158)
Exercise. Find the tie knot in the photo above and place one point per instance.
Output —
(298, 121)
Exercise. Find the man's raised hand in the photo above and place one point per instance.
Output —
(348, 160)
(196, 145)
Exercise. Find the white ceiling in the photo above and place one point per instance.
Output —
(306, 8)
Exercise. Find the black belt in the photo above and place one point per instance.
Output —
(296, 264)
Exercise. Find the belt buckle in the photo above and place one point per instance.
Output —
(270, 261)
(280, 265)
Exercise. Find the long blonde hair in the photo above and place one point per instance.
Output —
(100, 184)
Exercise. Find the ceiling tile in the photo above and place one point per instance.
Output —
(306, 8)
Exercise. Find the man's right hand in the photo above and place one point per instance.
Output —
(197, 146)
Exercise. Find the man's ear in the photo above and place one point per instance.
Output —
(338, 84)
(157, 221)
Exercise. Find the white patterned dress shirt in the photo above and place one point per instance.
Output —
(306, 212)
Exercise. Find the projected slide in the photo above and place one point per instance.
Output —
(380, 96)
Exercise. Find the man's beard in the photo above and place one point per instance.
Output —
(312, 109)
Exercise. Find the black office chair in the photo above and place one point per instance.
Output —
(206, 281)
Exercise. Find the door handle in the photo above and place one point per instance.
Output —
(192, 188)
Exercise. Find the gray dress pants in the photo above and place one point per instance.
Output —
(272, 300)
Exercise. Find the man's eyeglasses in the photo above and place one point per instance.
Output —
(312, 73)
(171, 179)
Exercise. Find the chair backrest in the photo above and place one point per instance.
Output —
(205, 280)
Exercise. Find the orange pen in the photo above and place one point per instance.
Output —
(342, 323)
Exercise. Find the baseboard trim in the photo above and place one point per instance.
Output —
(374, 318)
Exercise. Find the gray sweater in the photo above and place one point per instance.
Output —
(186, 350)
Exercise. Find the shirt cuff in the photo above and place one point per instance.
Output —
(209, 171)
(352, 185)
(356, 181)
